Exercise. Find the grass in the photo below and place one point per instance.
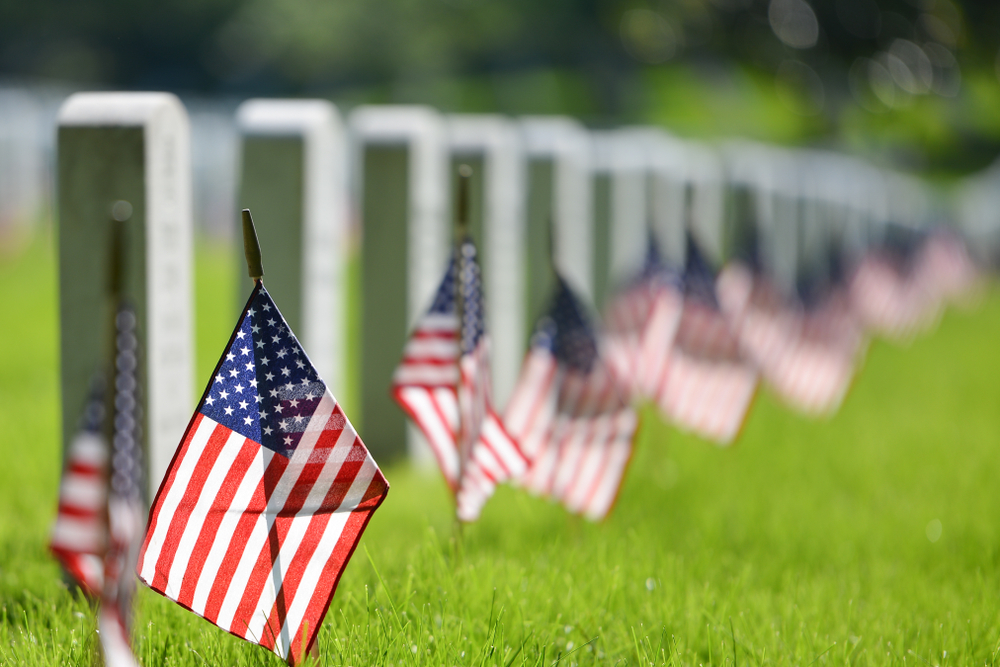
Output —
(808, 543)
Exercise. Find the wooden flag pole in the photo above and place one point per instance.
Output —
(251, 248)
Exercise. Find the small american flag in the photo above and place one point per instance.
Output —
(568, 415)
(99, 521)
(267, 495)
(443, 384)
(642, 322)
(80, 533)
(707, 384)
(807, 355)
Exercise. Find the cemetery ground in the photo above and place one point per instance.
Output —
(871, 538)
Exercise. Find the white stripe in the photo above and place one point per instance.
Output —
(89, 449)
(83, 491)
(437, 322)
(430, 348)
(169, 505)
(425, 374)
(196, 522)
(77, 534)
(440, 435)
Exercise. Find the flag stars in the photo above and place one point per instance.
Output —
(247, 421)
(223, 395)
(234, 373)
(243, 405)
(267, 307)
(229, 411)
(269, 376)
(274, 392)
(281, 353)
(275, 339)
(299, 364)
(255, 329)
(265, 361)
(288, 440)
(268, 430)
(240, 334)
(294, 403)
(270, 322)
(299, 419)
(251, 312)
(239, 388)
(209, 400)
(249, 366)
(230, 356)
(285, 371)
(244, 350)
(260, 343)
(219, 378)
(253, 383)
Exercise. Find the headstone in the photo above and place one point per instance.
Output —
(491, 145)
(134, 148)
(559, 209)
(294, 181)
(705, 178)
(621, 209)
(402, 191)
(668, 186)
(23, 173)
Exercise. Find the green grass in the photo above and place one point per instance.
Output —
(805, 544)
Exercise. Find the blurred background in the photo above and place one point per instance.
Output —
(910, 84)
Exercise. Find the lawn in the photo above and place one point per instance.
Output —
(871, 538)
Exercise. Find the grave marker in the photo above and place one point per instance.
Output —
(559, 199)
(294, 181)
(128, 153)
(401, 158)
(491, 145)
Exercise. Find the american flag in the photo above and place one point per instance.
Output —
(99, 521)
(807, 355)
(267, 495)
(443, 384)
(80, 533)
(568, 415)
(642, 321)
(889, 298)
(707, 384)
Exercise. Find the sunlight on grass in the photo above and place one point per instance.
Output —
(809, 542)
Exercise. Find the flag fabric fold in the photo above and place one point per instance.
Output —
(267, 495)
(568, 414)
(443, 384)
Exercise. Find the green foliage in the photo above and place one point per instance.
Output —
(809, 542)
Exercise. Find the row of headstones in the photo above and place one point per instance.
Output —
(544, 190)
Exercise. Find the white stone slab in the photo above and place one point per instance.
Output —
(567, 144)
(423, 133)
(136, 147)
(323, 224)
(498, 142)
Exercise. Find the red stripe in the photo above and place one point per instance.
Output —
(199, 475)
(84, 470)
(78, 512)
(418, 419)
(349, 538)
(168, 483)
(217, 512)
(432, 334)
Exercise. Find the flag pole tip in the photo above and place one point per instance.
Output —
(251, 247)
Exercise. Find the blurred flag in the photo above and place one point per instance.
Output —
(707, 384)
(568, 415)
(80, 533)
(806, 355)
(99, 521)
(267, 495)
(642, 322)
(443, 384)
(889, 297)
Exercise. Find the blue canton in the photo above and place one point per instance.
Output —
(265, 387)
(473, 323)
(566, 331)
(699, 276)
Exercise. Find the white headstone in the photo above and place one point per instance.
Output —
(133, 147)
(301, 216)
(565, 144)
(496, 141)
(402, 190)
